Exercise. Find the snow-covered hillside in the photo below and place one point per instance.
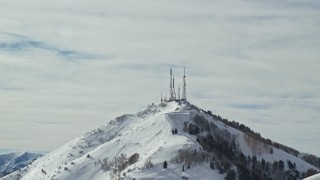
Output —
(14, 161)
(314, 177)
(150, 134)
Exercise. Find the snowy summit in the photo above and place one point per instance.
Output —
(169, 140)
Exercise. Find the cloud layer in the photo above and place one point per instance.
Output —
(67, 67)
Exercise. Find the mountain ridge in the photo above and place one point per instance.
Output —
(11, 162)
(150, 133)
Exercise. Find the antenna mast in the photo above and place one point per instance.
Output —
(179, 92)
(174, 90)
(171, 93)
(184, 90)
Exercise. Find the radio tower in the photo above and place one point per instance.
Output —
(174, 90)
(179, 92)
(184, 90)
(171, 88)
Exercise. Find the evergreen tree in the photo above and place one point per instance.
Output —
(254, 160)
(211, 164)
(271, 151)
(263, 163)
(275, 165)
(165, 164)
(290, 164)
(281, 164)
(231, 175)
(243, 172)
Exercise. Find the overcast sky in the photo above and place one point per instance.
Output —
(68, 67)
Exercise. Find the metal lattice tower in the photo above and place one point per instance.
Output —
(179, 92)
(184, 89)
(174, 90)
(171, 98)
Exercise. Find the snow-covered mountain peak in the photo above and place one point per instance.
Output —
(136, 146)
(147, 133)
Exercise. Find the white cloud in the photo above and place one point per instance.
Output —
(67, 67)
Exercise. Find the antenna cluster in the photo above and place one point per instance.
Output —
(172, 92)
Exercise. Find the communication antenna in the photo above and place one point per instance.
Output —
(174, 90)
(184, 90)
(179, 92)
(171, 91)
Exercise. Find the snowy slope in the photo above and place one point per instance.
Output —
(277, 154)
(314, 177)
(147, 133)
(14, 161)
